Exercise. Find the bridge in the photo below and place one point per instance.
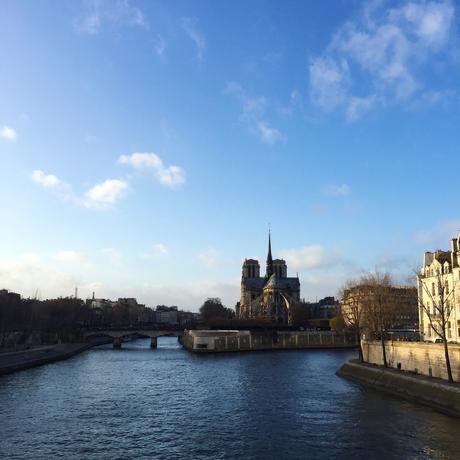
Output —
(119, 334)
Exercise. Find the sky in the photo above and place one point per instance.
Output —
(146, 147)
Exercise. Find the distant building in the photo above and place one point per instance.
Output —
(267, 298)
(402, 299)
(326, 308)
(167, 315)
(10, 297)
(440, 267)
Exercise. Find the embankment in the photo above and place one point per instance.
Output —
(20, 360)
(440, 395)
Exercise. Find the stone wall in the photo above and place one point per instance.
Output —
(437, 394)
(227, 341)
(419, 357)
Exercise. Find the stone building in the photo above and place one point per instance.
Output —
(401, 302)
(439, 286)
(270, 297)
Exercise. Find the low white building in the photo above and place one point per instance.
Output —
(439, 285)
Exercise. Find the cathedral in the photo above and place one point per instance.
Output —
(267, 298)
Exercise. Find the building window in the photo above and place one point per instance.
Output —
(449, 330)
(447, 287)
(428, 332)
(433, 289)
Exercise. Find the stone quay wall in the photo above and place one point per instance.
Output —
(437, 394)
(424, 358)
(209, 341)
(21, 360)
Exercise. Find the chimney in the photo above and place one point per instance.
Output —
(428, 258)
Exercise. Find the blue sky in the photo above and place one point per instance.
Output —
(146, 146)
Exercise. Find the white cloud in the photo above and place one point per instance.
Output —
(189, 26)
(357, 106)
(253, 110)
(209, 257)
(161, 248)
(99, 196)
(309, 257)
(45, 180)
(53, 183)
(304, 258)
(268, 134)
(432, 21)
(28, 278)
(105, 193)
(96, 13)
(8, 133)
(170, 176)
(379, 59)
(336, 190)
(69, 256)
(329, 82)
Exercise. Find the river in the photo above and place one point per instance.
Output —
(138, 403)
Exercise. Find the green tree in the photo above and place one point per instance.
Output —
(213, 310)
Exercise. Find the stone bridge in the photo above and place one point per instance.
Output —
(119, 334)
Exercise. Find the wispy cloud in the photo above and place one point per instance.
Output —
(96, 13)
(170, 176)
(294, 103)
(336, 190)
(106, 193)
(378, 59)
(253, 113)
(439, 235)
(158, 249)
(159, 45)
(8, 133)
(268, 134)
(189, 25)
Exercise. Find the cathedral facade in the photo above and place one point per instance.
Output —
(268, 298)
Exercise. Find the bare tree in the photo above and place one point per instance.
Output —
(437, 300)
(352, 310)
(380, 306)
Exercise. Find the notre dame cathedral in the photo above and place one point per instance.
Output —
(267, 298)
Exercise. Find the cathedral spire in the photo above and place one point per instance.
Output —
(269, 257)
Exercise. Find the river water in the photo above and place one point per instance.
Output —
(138, 403)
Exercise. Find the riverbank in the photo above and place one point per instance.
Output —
(20, 360)
(435, 393)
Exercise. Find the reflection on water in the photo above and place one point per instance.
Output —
(166, 403)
